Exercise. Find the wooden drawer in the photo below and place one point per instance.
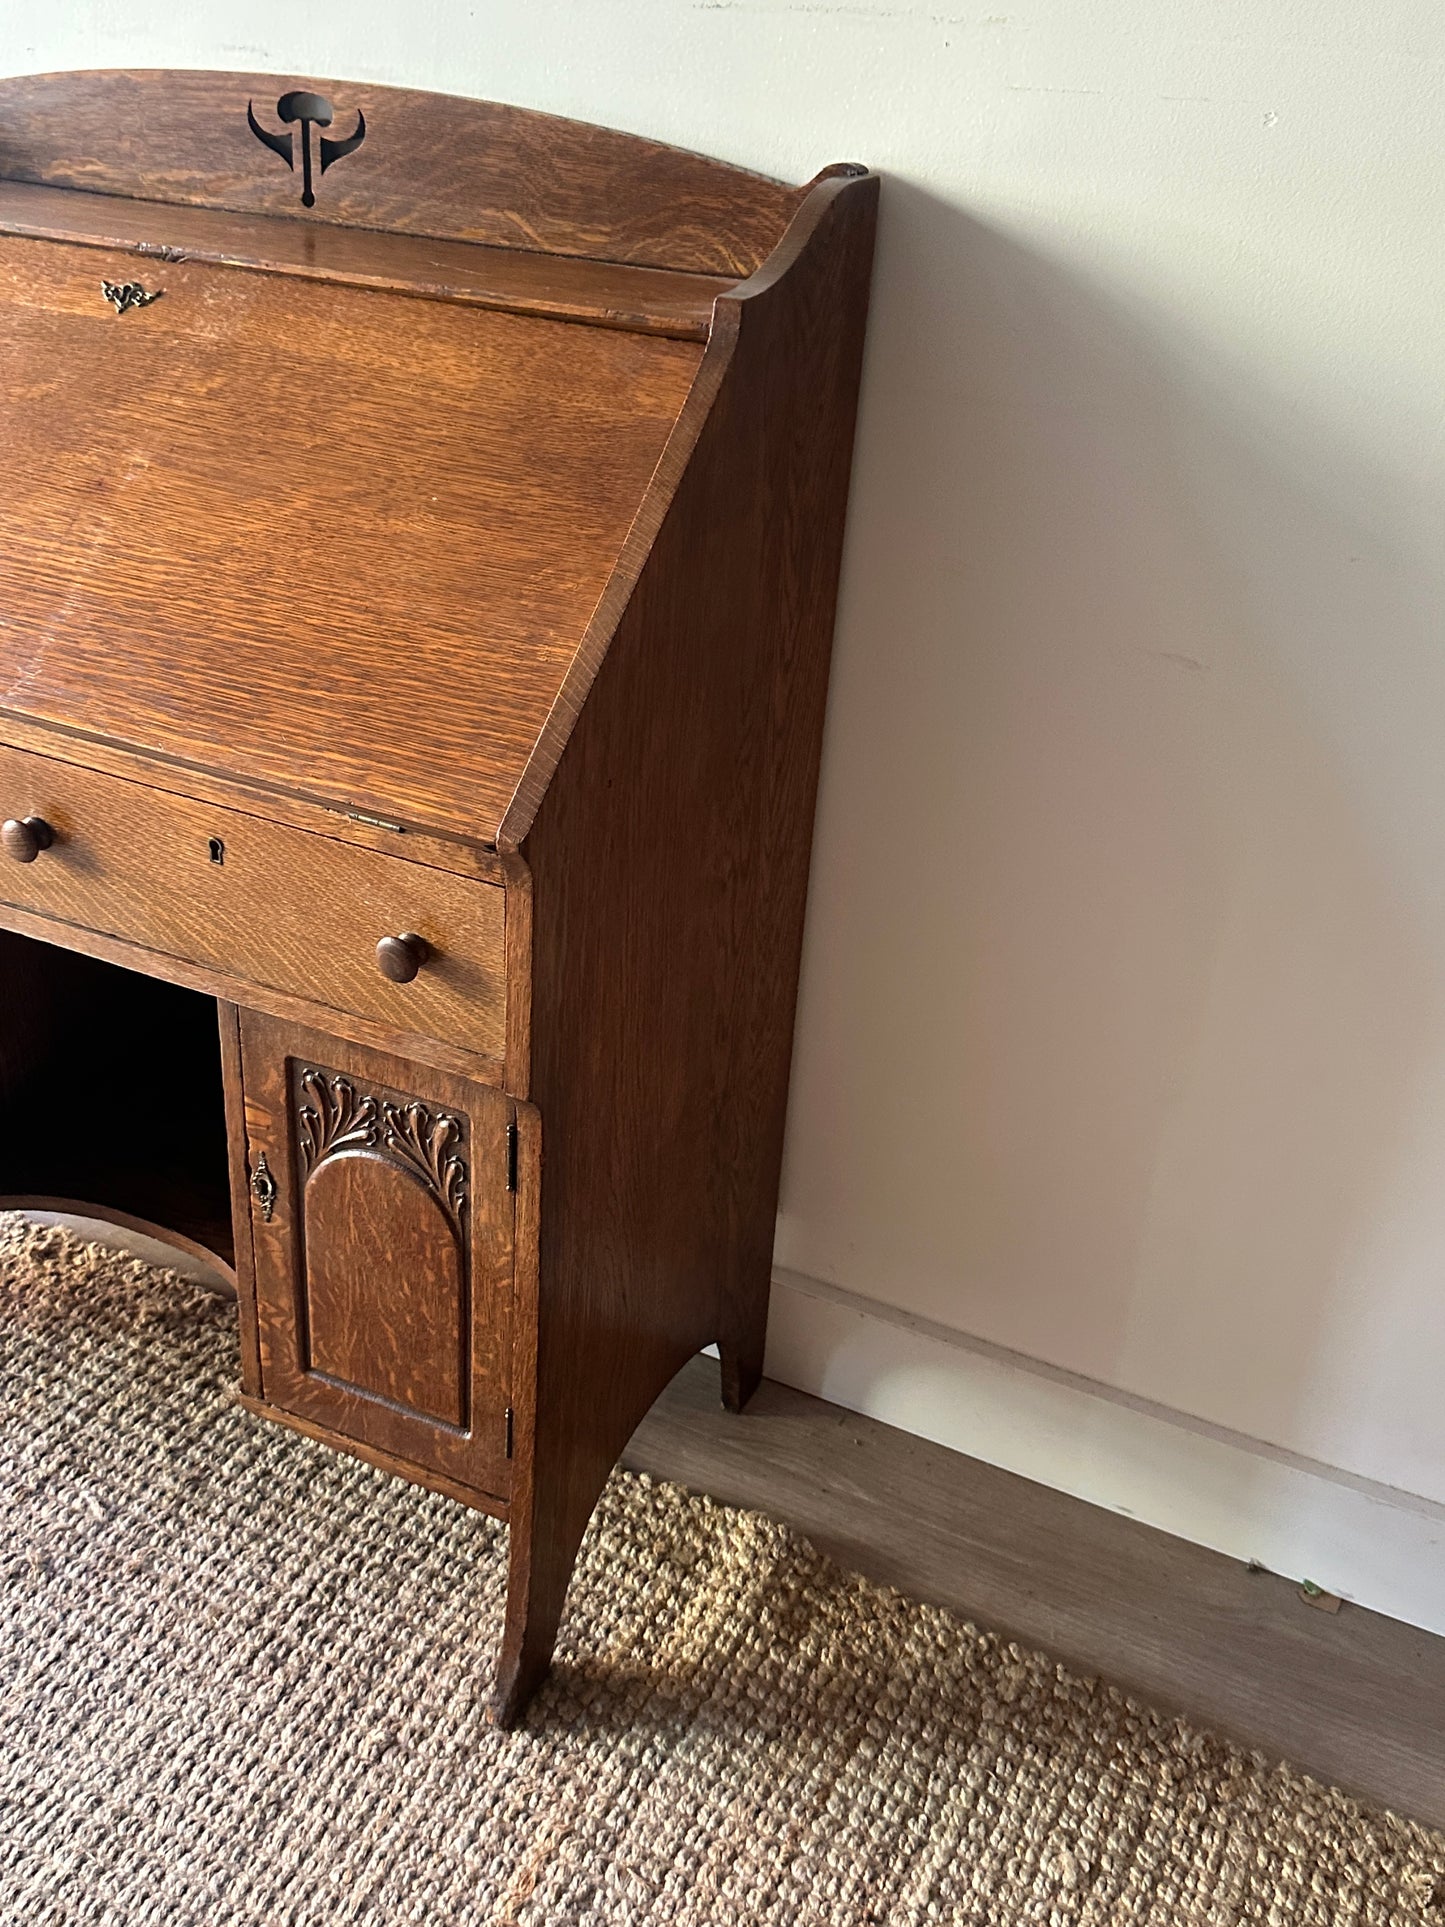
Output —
(258, 900)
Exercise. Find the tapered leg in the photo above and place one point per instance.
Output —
(740, 1345)
(531, 1633)
(541, 1555)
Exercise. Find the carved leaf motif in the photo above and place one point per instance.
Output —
(429, 1141)
(334, 1116)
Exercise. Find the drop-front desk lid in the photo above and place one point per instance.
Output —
(336, 538)
(332, 504)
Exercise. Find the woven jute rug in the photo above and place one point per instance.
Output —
(243, 1681)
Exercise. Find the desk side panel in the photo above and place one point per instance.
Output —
(669, 858)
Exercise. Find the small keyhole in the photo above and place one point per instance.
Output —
(217, 849)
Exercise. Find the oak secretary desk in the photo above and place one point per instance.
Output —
(419, 534)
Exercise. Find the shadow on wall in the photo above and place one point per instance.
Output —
(1114, 1013)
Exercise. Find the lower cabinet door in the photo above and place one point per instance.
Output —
(382, 1230)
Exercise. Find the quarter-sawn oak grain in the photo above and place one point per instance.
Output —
(381, 1317)
(269, 474)
(561, 287)
(453, 561)
(677, 824)
(282, 907)
(432, 164)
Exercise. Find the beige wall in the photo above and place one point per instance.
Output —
(1123, 1029)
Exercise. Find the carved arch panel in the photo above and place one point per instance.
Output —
(383, 1272)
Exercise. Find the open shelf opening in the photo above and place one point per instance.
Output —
(111, 1093)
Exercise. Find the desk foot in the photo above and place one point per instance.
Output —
(536, 1594)
(740, 1347)
(516, 1683)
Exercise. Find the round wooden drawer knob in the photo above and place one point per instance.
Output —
(400, 958)
(25, 837)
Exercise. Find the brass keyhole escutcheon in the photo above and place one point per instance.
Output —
(125, 295)
(264, 1188)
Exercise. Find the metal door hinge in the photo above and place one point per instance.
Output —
(512, 1155)
(509, 1431)
(263, 1186)
(374, 822)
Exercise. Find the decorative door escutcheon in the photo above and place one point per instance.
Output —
(263, 1186)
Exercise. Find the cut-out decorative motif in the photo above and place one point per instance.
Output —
(309, 110)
